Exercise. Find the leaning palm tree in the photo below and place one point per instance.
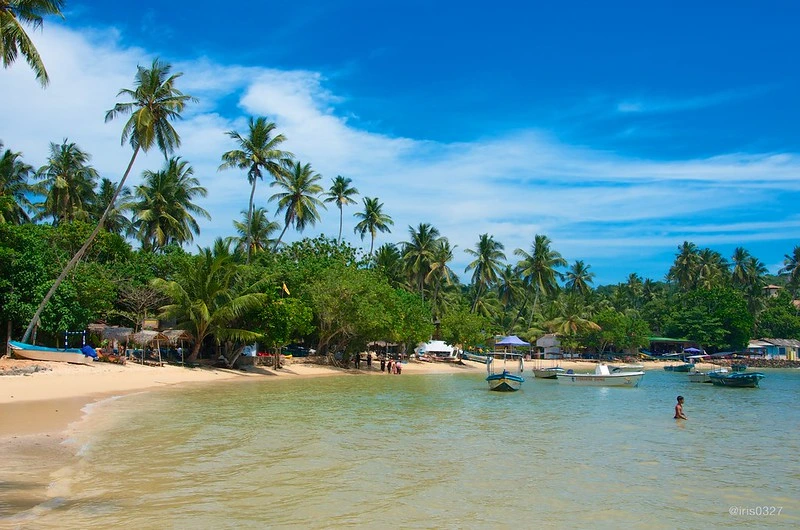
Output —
(298, 198)
(68, 183)
(578, 278)
(487, 264)
(155, 102)
(258, 152)
(14, 40)
(258, 233)
(373, 220)
(14, 187)
(341, 193)
(163, 210)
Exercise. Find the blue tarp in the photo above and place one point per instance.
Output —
(89, 351)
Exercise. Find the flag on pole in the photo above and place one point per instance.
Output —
(285, 289)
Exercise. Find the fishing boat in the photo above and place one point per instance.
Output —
(625, 367)
(504, 371)
(43, 353)
(602, 376)
(548, 373)
(736, 379)
(685, 367)
(703, 377)
(437, 351)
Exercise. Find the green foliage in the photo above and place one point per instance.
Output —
(780, 318)
(461, 326)
(717, 318)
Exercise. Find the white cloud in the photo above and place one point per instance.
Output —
(593, 204)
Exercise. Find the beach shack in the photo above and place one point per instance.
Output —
(549, 347)
(785, 349)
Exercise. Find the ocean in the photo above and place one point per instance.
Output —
(433, 451)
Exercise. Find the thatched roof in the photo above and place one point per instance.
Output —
(117, 333)
(147, 336)
(175, 335)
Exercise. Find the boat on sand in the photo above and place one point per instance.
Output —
(602, 376)
(43, 353)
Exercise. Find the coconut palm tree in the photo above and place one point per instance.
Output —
(791, 267)
(440, 274)
(116, 222)
(341, 193)
(418, 254)
(389, 261)
(579, 277)
(163, 209)
(257, 233)
(685, 269)
(373, 220)
(67, 183)
(14, 40)
(739, 261)
(538, 269)
(487, 264)
(207, 299)
(298, 198)
(258, 152)
(154, 103)
(14, 187)
(712, 269)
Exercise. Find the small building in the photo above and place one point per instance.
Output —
(549, 346)
(787, 349)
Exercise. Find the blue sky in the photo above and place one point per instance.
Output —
(619, 129)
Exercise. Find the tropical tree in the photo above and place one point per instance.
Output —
(163, 208)
(207, 299)
(440, 274)
(14, 40)
(257, 234)
(67, 183)
(538, 268)
(418, 254)
(791, 268)
(116, 222)
(578, 278)
(298, 198)
(486, 266)
(154, 103)
(712, 269)
(739, 273)
(258, 152)
(684, 270)
(388, 260)
(14, 187)
(373, 220)
(342, 193)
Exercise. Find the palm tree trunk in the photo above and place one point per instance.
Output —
(250, 221)
(278, 242)
(78, 255)
(341, 213)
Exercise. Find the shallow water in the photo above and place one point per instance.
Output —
(434, 451)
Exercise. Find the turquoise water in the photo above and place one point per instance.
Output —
(435, 451)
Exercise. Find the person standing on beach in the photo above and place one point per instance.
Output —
(389, 367)
(679, 415)
(383, 364)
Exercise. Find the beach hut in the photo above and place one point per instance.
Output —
(177, 338)
(148, 337)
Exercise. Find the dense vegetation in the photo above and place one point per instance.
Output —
(68, 233)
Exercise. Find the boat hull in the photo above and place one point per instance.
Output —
(547, 373)
(699, 377)
(737, 379)
(505, 382)
(621, 379)
(41, 353)
(678, 368)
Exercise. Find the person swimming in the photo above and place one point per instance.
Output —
(679, 415)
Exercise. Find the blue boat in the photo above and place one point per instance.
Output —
(736, 379)
(43, 353)
(505, 371)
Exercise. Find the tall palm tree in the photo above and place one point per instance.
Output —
(155, 102)
(373, 220)
(538, 269)
(116, 221)
(419, 252)
(298, 198)
(257, 234)
(341, 193)
(712, 268)
(487, 264)
(68, 183)
(258, 152)
(440, 273)
(207, 299)
(684, 270)
(14, 187)
(163, 208)
(579, 277)
(14, 40)
(791, 267)
(739, 261)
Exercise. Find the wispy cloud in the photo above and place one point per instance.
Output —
(653, 105)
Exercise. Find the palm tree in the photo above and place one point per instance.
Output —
(791, 267)
(684, 270)
(14, 40)
(14, 187)
(579, 278)
(68, 183)
(258, 152)
(487, 264)
(206, 299)
(712, 268)
(440, 273)
(155, 101)
(538, 269)
(341, 193)
(116, 222)
(389, 261)
(163, 208)
(418, 254)
(257, 233)
(373, 220)
(739, 261)
(299, 198)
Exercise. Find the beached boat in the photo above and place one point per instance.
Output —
(685, 367)
(43, 353)
(505, 371)
(437, 351)
(602, 376)
(548, 373)
(703, 377)
(736, 379)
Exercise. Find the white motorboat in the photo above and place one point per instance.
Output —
(548, 373)
(602, 376)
